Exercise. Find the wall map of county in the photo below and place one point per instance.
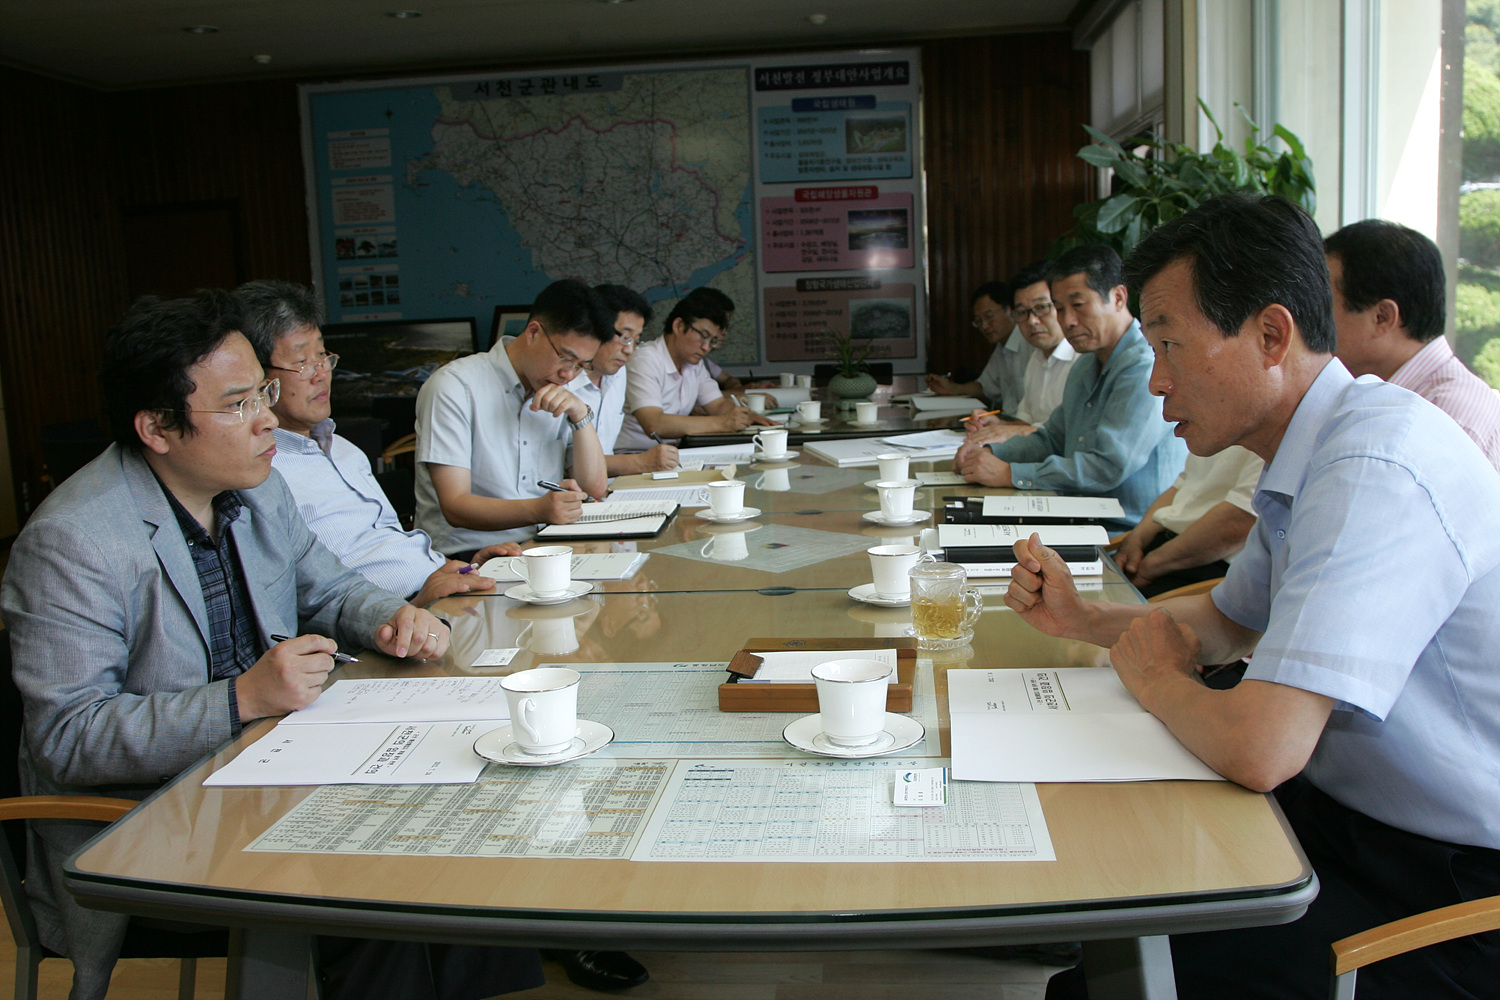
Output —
(478, 192)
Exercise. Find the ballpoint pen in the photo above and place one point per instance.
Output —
(338, 657)
(561, 489)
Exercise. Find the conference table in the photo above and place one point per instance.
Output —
(1134, 861)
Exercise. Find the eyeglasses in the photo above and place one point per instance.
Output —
(569, 362)
(249, 407)
(713, 340)
(1041, 311)
(326, 363)
(626, 343)
(985, 318)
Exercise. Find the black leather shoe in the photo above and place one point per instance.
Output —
(602, 970)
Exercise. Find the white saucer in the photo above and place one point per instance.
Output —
(745, 514)
(901, 732)
(785, 456)
(915, 517)
(865, 594)
(498, 745)
(576, 589)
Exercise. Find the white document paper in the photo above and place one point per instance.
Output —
(795, 666)
(926, 440)
(421, 753)
(940, 479)
(686, 496)
(956, 536)
(1028, 505)
(725, 454)
(923, 404)
(586, 566)
(1066, 724)
(405, 699)
(845, 452)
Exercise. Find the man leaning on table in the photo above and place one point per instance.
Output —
(1107, 438)
(141, 599)
(329, 477)
(493, 427)
(1367, 591)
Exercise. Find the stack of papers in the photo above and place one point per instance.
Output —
(1030, 509)
(924, 403)
(586, 566)
(987, 550)
(923, 446)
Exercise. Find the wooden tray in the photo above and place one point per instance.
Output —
(736, 697)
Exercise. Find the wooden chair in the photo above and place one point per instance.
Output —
(1401, 936)
(404, 445)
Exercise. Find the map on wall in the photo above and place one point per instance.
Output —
(449, 196)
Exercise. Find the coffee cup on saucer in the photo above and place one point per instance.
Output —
(755, 402)
(726, 497)
(771, 443)
(547, 570)
(889, 566)
(851, 700)
(810, 410)
(787, 380)
(866, 412)
(543, 708)
(896, 498)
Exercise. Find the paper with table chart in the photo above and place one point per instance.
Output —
(587, 809)
(405, 699)
(836, 810)
(586, 566)
(1065, 724)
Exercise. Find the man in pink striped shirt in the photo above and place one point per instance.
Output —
(1388, 303)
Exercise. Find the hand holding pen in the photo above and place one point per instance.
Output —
(561, 504)
(288, 676)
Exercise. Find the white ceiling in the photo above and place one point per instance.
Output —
(136, 43)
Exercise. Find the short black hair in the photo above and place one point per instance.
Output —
(619, 299)
(1246, 252)
(148, 353)
(998, 292)
(570, 306)
(1098, 263)
(1029, 275)
(701, 303)
(272, 309)
(1386, 260)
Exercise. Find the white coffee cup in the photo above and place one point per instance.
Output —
(726, 497)
(896, 497)
(547, 569)
(788, 380)
(889, 566)
(866, 413)
(771, 442)
(755, 402)
(851, 700)
(810, 409)
(775, 480)
(732, 547)
(894, 465)
(543, 708)
(804, 381)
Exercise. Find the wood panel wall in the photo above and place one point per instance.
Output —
(1001, 118)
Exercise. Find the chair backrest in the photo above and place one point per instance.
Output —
(13, 843)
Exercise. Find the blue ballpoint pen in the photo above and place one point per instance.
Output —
(561, 489)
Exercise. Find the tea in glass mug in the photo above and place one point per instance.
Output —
(943, 609)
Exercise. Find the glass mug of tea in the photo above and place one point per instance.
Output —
(943, 609)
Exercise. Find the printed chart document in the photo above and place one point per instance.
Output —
(615, 519)
(586, 566)
(405, 699)
(353, 753)
(836, 810)
(1063, 510)
(684, 496)
(1065, 724)
(987, 550)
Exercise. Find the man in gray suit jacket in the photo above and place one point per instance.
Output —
(142, 595)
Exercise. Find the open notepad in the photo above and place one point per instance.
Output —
(615, 519)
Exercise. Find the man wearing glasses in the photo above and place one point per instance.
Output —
(1047, 367)
(331, 479)
(603, 386)
(493, 427)
(667, 378)
(141, 597)
(1002, 380)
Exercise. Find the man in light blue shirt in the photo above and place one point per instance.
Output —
(1367, 592)
(1107, 438)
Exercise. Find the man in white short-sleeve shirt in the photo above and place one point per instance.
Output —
(493, 427)
(667, 379)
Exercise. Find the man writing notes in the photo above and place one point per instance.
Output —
(1047, 365)
(602, 386)
(666, 379)
(1367, 590)
(141, 599)
(330, 478)
(1388, 303)
(1107, 438)
(1002, 381)
(493, 427)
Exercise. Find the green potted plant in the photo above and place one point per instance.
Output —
(1157, 181)
(853, 379)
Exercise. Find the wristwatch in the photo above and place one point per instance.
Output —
(587, 421)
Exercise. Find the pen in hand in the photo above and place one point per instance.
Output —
(338, 657)
(986, 413)
(561, 489)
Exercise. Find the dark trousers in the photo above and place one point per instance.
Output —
(1180, 577)
(357, 969)
(1370, 874)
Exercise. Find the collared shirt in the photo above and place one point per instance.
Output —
(655, 380)
(1374, 576)
(233, 646)
(1228, 477)
(1107, 438)
(1440, 378)
(338, 497)
(1045, 382)
(475, 414)
(1003, 380)
(607, 400)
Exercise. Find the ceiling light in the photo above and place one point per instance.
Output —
(200, 29)
(403, 15)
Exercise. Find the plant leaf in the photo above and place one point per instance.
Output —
(1117, 212)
